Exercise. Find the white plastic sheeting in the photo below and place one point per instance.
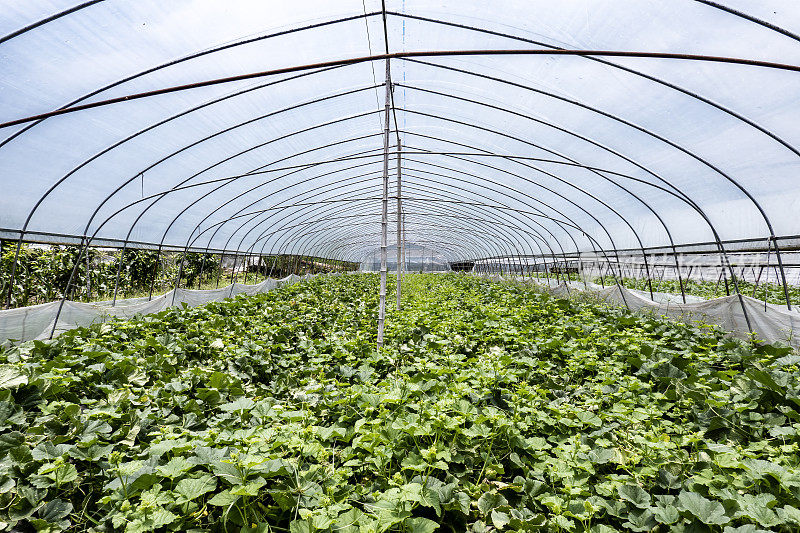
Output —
(36, 322)
(769, 322)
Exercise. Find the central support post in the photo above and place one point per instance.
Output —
(384, 210)
(400, 265)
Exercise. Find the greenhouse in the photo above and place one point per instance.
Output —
(400, 265)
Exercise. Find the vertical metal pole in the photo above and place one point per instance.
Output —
(384, 211)
(219, 272)
(399, 226)
(202, 266)
(116, 277)
(403, 254)
(88, 277)
(233, 272)
(155, 274)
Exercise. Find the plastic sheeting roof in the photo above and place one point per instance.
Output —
(502, 153)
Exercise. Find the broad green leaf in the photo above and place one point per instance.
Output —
(489, 501)
(250, 488)
(192, 488)
(240, 404)
(602, 456)
(666, 514)
(300, 526)
(223, 499)
(709, 512)
(640, 520)
(55, 510)
(499, 519)
(635, 495)
(12, 377)
(175, 467)
(757, 508)
(563, 522)
(420, 525)
(790, 514)
(410, 492)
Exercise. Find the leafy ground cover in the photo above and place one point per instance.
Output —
(772, 292)
(492, 407)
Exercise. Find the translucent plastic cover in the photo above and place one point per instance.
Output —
(502, 153)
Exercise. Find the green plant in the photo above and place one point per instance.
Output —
(492, 407)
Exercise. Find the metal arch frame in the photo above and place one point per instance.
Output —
(491, 217)
(364, 248)
(335, 245)
(411, 187)
(508, 239)
(581, 208)
(403, 15)
(623, 68)
(360, 249)
(364, 251)
(318, 230)
(506, 209)
(459, 180)
(675, 192)
(527, 222)
(573, 223)
(350, 238)
(598, 172)
(288, 186)
(750, 18)
(260, 145)
(734, 278)
(360, 210)
(569, 132)
(220, 206)
(509, 36)
(443, 212)
(603, 176)
(601, 251)
(438, 21)
(341, 142)
(215, 134)
(45, 20)
(188, 58)
(446, 249)
(89, 241)
(165, 158)
(506, 235)
(429, 227)
(251, 204)
(384, 13)
(365, 16)
(400, 55)
(137, 174)
(661, 138)
(329, 185)
(312, 206)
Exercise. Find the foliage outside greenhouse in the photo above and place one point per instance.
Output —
(492, 407)
(42, 274)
